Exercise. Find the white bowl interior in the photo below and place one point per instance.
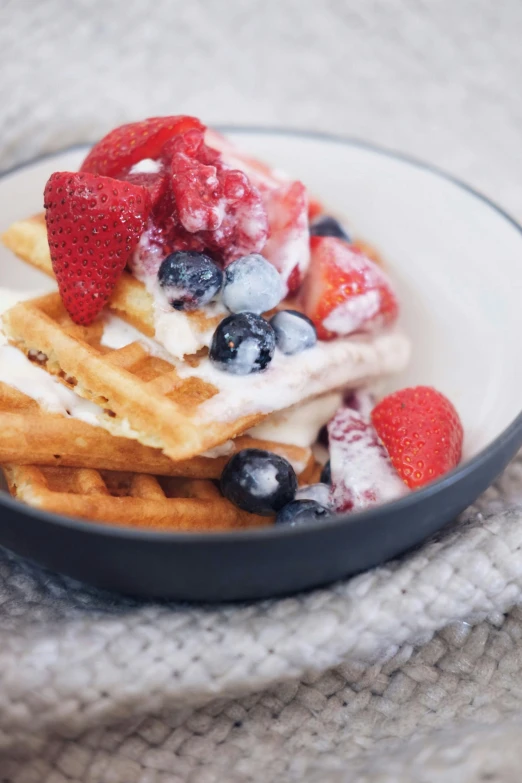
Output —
(456, 262)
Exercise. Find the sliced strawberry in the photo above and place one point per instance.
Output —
(288, 246)
(362, 474)
(315, 208)
(345, 292)
(156, 184)
(93, 225)
(422, 433)
(125, 146)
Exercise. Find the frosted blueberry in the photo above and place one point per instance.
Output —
(252, 285)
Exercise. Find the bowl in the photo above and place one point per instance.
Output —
(456, 259)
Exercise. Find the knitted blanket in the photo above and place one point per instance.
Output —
(410, 672)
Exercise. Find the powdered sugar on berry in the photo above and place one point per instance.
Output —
(351, 315)
(362, 473)
(261, 482)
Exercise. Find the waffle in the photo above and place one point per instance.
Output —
(128, 499)
(31, 436)
(144, 396)
(130, 300)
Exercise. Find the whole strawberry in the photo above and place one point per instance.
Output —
(422, 433)
(93, 225)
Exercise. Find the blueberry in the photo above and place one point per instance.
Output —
(242, 343)
(326, 226)
(318, 492)
(294, 331)
(189, 279)
(300, 512)
(252, 285)
(259, 481)
(326, 474)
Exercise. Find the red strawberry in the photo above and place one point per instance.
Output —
(156, 184)
(120, 149)
(215, 202)
(93, 225)
(315, 208)
(261, 175)
(422, 433)
(361, 471)
(345, 292)
(288, 245)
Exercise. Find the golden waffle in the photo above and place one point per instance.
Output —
(130, 299)
(31, 436)
(129, 384)
(145, 397)
(128, 499)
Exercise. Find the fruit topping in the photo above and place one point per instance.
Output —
(93, 225)
(315, 208)
(127, 145)
(261, 175)
(294, 331)
(189, 280)
(422, 433)
(345, 292)
(326, 226)
(214, 201)
(252, 284)
(318, 492)
(302, 512)
(243, 343)
(288, 246)
(362, 473)
(155, 183)
(259, 481)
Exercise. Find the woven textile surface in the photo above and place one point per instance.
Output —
(412, 672)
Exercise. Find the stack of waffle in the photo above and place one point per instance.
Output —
(156, 451)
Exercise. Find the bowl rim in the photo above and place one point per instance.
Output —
(512, 433)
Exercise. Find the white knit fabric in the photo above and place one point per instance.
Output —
(391, 676)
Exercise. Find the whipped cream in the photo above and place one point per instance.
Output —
(289, 380)
(180, 333)
(300, 424)
(18, 372)
(146, 166)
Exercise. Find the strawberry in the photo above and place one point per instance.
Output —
(361, 472)
(288, 245)
(422, 433)
(156, 184)
(93, 225)
(213, 201)
(120, 149)
(315, 208)
(345, 292)
(287, 206)
(261, 175)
